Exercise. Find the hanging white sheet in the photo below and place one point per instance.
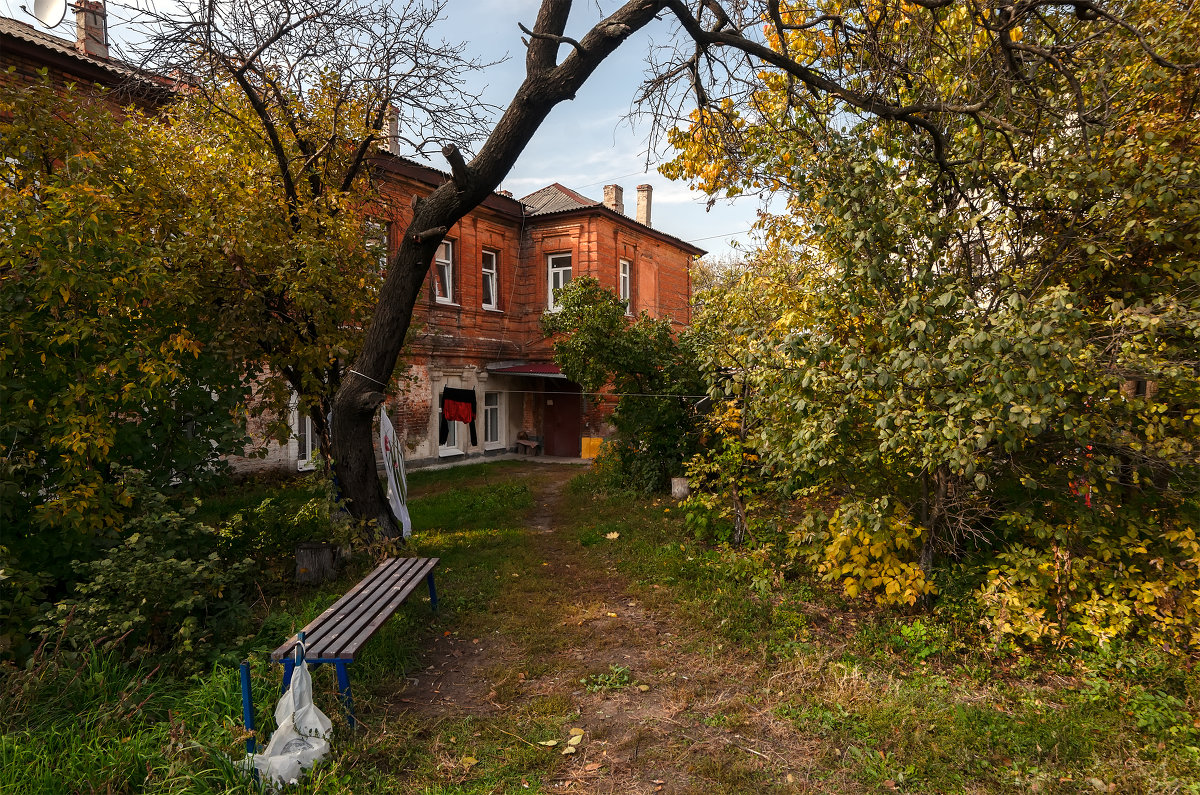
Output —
(393, 463)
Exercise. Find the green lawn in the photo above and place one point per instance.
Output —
(829, 696)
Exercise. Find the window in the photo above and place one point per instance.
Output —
(626, 295)
(443, 273)
(491, 419)
(560, 277)
(308, 442)
(491, 282)
(375, 237)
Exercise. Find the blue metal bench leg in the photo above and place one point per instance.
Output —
(432, 592)
(343, 678)
(289, 665)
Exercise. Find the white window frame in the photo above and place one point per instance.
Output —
(625, 284)
(493, 436)
(556, 271)
(490, 271)
(450, 446)
(443, 273)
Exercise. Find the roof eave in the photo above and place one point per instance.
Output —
(695, 251)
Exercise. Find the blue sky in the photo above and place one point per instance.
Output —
(584, 144)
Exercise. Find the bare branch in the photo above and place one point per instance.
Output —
(458, 167)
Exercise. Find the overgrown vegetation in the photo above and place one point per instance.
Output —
(142, 295)
(908, 703)
(983, 373)
(137, 690)
(650, 367)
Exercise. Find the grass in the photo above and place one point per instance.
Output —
(857, 699)
(913, 704)
(97, 722)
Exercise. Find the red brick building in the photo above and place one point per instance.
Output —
(485, 295)
(478, 319)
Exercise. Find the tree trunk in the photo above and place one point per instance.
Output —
(546, 84)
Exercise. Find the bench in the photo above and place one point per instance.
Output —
(336, 636)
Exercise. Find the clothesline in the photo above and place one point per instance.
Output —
(588, 394)
(600, 394)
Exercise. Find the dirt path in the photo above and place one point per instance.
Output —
(658, 715)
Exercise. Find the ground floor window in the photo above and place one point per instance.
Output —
(491, 418)
(450, 445)
(308, 442)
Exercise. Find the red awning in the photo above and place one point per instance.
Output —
(537, 370)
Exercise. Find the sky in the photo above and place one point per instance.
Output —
(584, 144)
(588, 142)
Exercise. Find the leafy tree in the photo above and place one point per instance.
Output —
(271, 51)
(315, 87)
(144, 288)
(989, 344)
(111, 353)
(645, 363)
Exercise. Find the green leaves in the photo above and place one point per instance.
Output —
(1017, 336)
(653, 372)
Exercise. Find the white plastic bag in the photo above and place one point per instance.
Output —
(302, 738)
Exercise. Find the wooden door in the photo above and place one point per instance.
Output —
(562, 418)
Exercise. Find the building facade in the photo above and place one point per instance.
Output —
(477, 324)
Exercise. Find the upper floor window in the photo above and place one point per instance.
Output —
(625, 285)
(443, 273)
(560, 277)
(491, 282)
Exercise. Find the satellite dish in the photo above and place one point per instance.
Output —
(49, 12)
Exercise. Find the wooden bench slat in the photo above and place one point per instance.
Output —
(317, 633)
(315, 628)
(369, 604)
(348, 623)
(353, 638)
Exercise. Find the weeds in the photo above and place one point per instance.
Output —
(616, 677)
(917, 704)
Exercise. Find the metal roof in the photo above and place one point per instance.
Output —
(555, 198)
(537, 370)
(20, 30)
(558, 198)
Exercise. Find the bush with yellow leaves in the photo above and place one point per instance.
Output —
(866, 547)
(1096, 575)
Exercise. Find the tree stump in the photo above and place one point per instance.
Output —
(315, 563)
(679, 488)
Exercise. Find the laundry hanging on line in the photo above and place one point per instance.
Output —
(458, 405)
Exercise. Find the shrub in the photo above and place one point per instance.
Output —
(1090, 576)
(164, 589)
(21, 593)
(270, 532)
(866, 547)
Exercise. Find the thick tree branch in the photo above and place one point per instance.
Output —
(458, 167)
(549, 37)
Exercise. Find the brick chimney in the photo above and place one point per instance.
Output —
(643, 206)
(91, 28)
(391, 130)
(614, 198)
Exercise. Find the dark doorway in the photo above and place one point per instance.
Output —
(562, 418)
